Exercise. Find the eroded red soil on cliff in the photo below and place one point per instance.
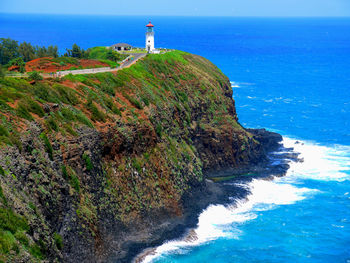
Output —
(48, 65)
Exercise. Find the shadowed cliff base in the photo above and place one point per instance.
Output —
(220, 187)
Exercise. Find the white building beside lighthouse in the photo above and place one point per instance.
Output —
(150, 38)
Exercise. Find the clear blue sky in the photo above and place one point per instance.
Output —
(181, 7)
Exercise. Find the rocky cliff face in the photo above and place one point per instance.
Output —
(94, 167)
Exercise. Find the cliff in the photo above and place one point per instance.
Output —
(93, 167)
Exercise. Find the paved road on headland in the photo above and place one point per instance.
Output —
(125, 64)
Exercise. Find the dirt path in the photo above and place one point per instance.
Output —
(125, 64)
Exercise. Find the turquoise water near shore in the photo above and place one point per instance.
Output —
(302, 217)
(288, 75)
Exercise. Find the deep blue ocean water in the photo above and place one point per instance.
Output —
(288, 75)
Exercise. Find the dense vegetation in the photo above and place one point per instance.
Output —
(78, 150)
(103, 53)
(14, 54)
(11, 50)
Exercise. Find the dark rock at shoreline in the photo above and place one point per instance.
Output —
(220, 193)
(270, 141)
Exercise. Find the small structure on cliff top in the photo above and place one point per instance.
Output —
(121, 47)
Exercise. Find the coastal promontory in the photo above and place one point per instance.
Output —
(95, 166)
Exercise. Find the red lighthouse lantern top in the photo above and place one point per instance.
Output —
(149, 24)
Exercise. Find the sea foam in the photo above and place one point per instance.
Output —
(223, 221)
(320, 162)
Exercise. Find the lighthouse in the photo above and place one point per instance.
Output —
(150, 38)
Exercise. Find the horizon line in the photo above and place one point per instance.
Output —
(157, 15)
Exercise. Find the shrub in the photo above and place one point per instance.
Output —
(35, 76)
(104, 55)
(9, 221)
(68, 114)
(111, 105)
(67, 95)
(35, 251)
(83, 119)
(2, 73)
(145, 100)
(182, 96)
(70, 129)
(58, 240)
(44, 92)
(11, 225)
(133, 101)
(22, 112)
(48, 146)
(96, 114)
(7, 242)
(116, 110)
(18, 62)
(108, 89)
(159, 130)
(28, 105)
(3, 131)
(2, 196)
(52, 124)
(88, 162)
(4, 107)
(69, 173)
(21, 237)
(64, 172)
(74, 182)
(137, 165)
(34, 107)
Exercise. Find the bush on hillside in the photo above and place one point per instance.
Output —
(2, 72)
(35, 76)
(18, 62)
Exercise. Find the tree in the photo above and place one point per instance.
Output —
(8, 50)
(26, 51)
(76, 52)
(113, 55)
(52, 51)
(41, 52)
(18, 62)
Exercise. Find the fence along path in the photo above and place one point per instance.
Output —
(125, 63)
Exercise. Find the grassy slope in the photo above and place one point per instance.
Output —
(154, 107)
(101, 53)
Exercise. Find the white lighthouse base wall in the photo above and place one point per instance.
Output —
(150, 41)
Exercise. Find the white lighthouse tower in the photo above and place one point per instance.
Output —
(150, 38)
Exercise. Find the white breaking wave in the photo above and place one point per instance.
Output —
(234, 85)
(320, 162)
(240, 84)
(220, 221)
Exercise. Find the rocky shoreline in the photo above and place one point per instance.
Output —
(100, 167)
(275, 163)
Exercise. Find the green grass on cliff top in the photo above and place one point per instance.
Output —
(175, 79)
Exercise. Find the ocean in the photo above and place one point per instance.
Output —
(289, 75)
